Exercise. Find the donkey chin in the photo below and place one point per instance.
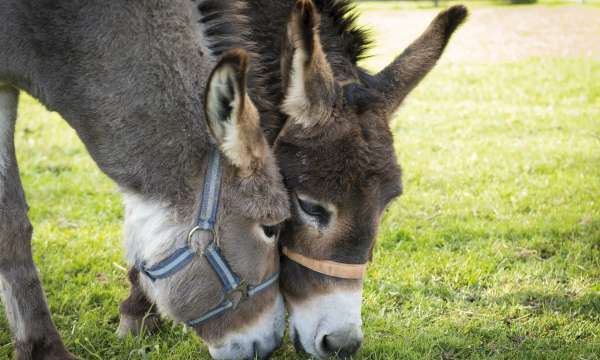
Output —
(328, 324)
(257, 340)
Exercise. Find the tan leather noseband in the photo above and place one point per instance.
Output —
(328, 267)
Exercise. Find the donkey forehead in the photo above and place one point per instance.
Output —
(260, 197)
(349, 168)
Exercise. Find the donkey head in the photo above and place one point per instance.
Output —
(338, 161)
(251, 204)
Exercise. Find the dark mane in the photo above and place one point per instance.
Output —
(344, 41)
(224, 24)
(356, 40)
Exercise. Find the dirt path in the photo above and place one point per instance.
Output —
(495, 34)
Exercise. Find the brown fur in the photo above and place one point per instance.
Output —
(335, 146)
(347, 158)
(138, 110)
(314, 74)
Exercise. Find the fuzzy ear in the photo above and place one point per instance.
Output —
(307, 76)
(403, 74)
(232, 117)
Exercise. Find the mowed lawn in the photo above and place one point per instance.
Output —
(492, 252)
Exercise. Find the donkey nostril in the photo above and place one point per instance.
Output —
(350, 349)
(341, 346)
(327, 346)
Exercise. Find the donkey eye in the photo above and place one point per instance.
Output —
(315, 210)
(312, 209)
(270, 230)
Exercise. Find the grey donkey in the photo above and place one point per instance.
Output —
(129, 77)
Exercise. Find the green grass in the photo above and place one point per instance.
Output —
(493, 251)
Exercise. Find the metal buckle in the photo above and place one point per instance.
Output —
(141, 267)
(242, 289)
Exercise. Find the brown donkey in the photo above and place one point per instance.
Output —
(201, 187)
(329, 122)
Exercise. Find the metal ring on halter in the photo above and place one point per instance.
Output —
(241, 289)
(197, 229)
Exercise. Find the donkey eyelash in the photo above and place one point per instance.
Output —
(314, 210)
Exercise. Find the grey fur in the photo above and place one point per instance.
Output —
(129, 77)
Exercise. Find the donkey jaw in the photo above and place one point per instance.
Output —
(257, 340)
(326, 325)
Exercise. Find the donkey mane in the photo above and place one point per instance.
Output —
(344, 41)
(225, 26)
(222, 23)
(355, 39)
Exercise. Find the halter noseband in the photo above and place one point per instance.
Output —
(206, 221)
(327, 267)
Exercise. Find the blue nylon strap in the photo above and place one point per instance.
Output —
(264, 285)
(213, 313)
(227, 277)
(227, 304)
(170, 265)
(207, 216)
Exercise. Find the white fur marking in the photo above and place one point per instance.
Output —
(231, 146)
(240, 344)
(150, 228)
(295, 103)
(323, 315)
(226, 130)
(150, 232)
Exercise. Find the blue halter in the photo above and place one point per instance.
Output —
(206, 221)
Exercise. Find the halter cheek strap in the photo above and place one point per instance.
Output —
(327, 267)
(206, 221)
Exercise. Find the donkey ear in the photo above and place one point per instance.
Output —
(232, 117)
(307, 77)
(403, 74)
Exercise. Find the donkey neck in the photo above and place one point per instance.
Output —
(128, 77)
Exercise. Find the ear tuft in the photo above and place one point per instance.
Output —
(398, 79)
(238, 58)
(455, 16)
(305, 21)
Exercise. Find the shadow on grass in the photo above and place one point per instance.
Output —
(455, 342)
(538, 302)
